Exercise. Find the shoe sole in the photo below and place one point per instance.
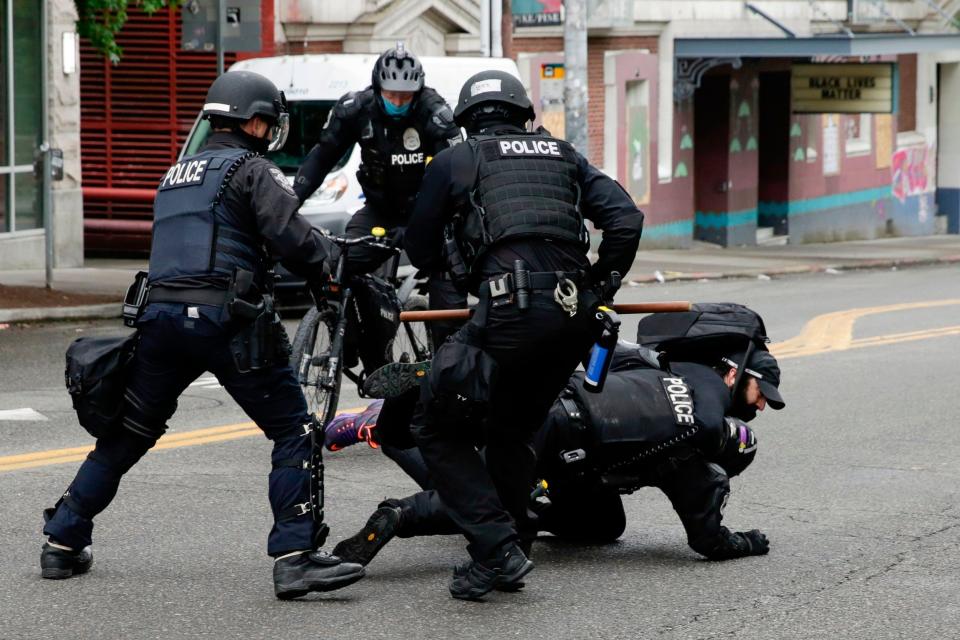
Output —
(300, 589)
(361, 547)
(395, 379)
(514, 582)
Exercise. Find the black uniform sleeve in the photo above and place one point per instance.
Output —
(423, 239)
(287, 234)
(604, 202)
(698, 491)
(338, 135)
(440, 130)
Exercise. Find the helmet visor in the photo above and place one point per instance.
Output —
(279, 132)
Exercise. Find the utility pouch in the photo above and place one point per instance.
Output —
(96, 378)
(262, 343)
(462, 375)
(237, 307)
(456, 266)
(135, 299)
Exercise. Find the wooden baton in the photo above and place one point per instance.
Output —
(673, 306)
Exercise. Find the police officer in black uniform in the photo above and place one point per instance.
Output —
(682, 430)
(514, 202)
(220, 218)
(592, 448)
(400, 124)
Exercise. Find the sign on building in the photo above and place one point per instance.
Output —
(537, 13)
(842, 88)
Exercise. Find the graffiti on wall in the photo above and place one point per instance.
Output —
(912, 171)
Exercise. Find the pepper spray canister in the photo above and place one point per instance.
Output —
(602, 353)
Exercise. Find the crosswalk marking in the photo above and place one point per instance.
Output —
(22, 415)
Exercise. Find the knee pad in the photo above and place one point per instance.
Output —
(143, 419)
(296, 478)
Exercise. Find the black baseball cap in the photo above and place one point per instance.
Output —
(762, 366)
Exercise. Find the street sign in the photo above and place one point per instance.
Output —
(842, 88)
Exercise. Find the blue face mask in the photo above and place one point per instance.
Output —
(393, 110)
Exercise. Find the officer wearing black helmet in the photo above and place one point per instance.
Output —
(399, 124)
(505, 213)
(221, 218)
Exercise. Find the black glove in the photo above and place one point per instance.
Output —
(395, 237)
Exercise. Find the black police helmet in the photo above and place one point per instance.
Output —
(398, 70)
(240, 95)
(488, 88)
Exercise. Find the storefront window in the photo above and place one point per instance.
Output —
(21, 127)
(859, 136)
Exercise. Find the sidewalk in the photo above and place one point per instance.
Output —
(110, 277)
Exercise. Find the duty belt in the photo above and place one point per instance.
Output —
(538, 280)
(205, 295)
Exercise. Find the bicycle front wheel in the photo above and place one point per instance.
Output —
(317, 368)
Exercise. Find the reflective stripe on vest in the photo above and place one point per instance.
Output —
(195, 235)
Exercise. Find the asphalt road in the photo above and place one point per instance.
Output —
(856, 484)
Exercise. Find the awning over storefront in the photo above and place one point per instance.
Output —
(858, 45)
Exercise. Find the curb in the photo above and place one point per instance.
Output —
(674, 276)
(84, 312)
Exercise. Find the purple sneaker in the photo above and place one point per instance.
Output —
(350, 428)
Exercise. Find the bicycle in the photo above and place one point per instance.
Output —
(317, 349)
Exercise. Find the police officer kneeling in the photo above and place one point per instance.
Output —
(219, 217)
(683, 431)
(513, 203)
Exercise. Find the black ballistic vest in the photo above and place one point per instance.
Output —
(393, 159)
(526, 186)
(195, 235)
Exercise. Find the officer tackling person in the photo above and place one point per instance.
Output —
(220, 218)
(515, 203)
(592, 448)
(399, 124)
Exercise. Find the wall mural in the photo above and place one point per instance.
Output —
(912, 171)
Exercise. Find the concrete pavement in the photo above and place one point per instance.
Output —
(702, 261)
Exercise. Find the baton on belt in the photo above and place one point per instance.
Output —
(674, 306)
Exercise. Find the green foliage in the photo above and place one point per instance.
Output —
(101, 20)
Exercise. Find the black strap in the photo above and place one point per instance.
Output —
(538, 280)
(206, 295)
(298, 510)
(76, 507)
(292, 463)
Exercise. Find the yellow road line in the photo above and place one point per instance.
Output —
(829, 332)
(169, 441)
(834, 331)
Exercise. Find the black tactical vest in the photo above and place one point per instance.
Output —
(195, 235)
(393, 158)
(526, 186)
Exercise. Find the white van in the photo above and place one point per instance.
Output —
(312, 85)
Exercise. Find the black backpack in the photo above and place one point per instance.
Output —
(703, 334)
(96, 377)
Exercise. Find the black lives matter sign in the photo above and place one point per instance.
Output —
(842, 88)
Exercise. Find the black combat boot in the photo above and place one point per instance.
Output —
(503, 572)
(395, 379)
(295, 576)
(366, 543)
(57, 563)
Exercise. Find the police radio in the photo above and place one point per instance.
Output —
(602, 353)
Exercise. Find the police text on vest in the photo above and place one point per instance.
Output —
(184, 173)
(681, 401)
(406, 158)
(530, 147)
